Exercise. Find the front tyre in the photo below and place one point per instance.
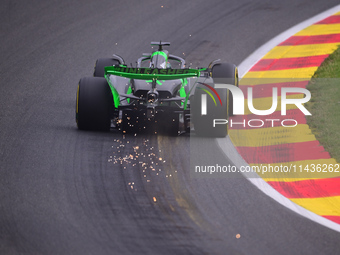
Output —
(94, 104)
(101, 63)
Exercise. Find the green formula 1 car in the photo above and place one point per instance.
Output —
(154, 95)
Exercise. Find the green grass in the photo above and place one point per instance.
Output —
(325, 104)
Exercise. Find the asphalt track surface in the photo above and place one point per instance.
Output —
(61, 191)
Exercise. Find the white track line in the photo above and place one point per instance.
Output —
(228, 147)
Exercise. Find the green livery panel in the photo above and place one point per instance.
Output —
(151, 73)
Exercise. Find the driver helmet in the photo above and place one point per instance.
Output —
(159, 59)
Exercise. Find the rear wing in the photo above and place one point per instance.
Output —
(151, 73)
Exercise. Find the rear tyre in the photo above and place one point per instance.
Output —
(101, 63)
(204, 123)
(228, 74)
(94, 104)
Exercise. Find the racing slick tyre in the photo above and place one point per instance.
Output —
(228, 74)
(94, 104)
(216, 114)
(101, 63)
